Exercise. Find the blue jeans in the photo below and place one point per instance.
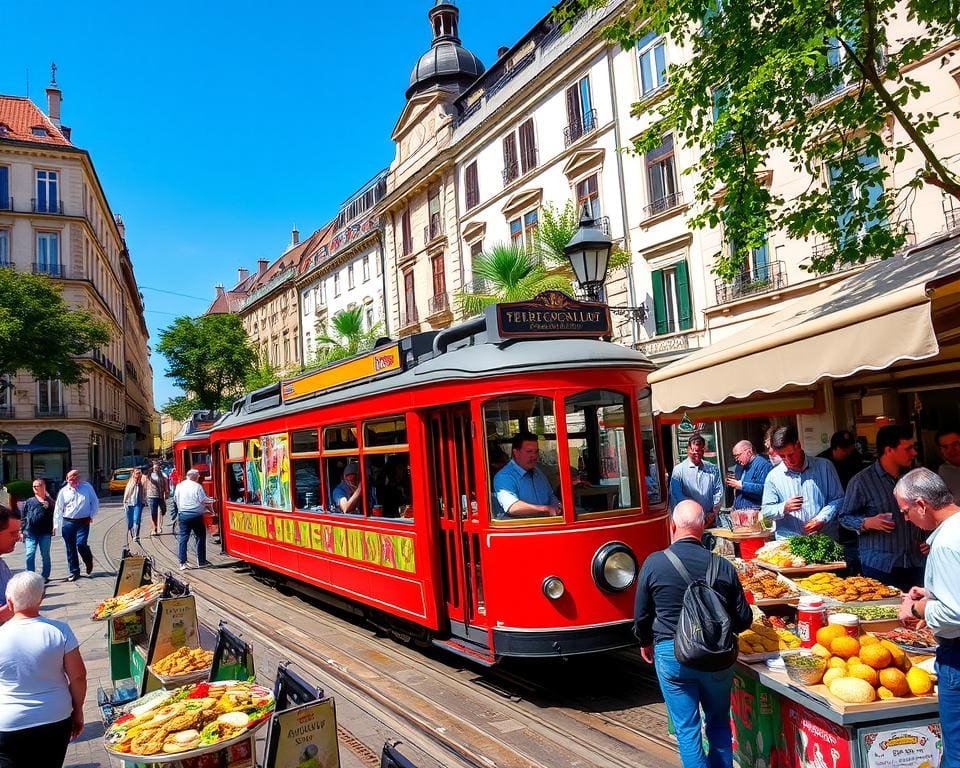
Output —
(30, 544)
(134, 511)
(193, 521)
(948, 684)
(685, 692)
(155, 514)
(75, 535)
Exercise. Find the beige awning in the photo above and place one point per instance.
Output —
(865, 322)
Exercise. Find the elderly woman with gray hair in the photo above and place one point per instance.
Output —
(43, 681)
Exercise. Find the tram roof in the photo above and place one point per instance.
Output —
(463, 363)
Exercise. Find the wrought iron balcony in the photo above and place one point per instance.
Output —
(56, 411)
(766, 278)
(43, 205)
(511, 171)
(575, 131)
(439, 303)
(409, 318)
(663, 204)
(953, 218)
(53, 270)
(434, 229)
(479, 285)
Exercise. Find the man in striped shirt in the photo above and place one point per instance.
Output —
(892, 548)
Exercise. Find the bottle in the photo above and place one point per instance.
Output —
(810, 618)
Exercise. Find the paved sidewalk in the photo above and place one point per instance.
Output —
(74, 602)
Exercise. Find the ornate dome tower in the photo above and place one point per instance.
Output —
(447, 62)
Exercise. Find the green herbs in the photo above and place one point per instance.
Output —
(816, 548)
(870, 612)
(803, 661)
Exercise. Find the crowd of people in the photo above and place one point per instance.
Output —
(882, 512)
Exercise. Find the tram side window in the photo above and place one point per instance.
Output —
(387, 475)
(653, 478)
(306, 485)
(518, 491)
(343, 478)
(200, 460)
(602, 452)
(340, 438)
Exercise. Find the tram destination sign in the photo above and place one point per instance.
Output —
(551, 314)
(376, 363)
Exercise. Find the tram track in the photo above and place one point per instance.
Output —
(495, 717)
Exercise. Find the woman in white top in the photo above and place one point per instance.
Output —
(43, 681)
(134, 499)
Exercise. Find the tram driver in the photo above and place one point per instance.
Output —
(347, 495)
(521, 489)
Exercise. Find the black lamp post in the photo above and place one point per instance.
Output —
(589, 254)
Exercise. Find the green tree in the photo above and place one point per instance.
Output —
(261, 375)
(348, 339)
(40, 333)
(556, 230)
(508, 273)
(819, 84)
(209, 357)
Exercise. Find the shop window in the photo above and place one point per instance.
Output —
(506, 417)
(602, 452)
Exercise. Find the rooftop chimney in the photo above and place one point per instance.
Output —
(262, 266)
(502, 51)
(54, 97)
(295, 235)
(120, 225)
(242, 274)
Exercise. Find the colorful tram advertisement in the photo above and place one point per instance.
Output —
(421, 542)
(191, 450)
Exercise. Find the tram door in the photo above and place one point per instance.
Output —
(454, 501)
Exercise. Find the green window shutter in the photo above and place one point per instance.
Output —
(659, 302)
(683, 297)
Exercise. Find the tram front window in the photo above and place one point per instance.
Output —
(654, 478)
(602, 452)
(522, 457)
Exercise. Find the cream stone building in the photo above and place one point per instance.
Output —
(55, 220)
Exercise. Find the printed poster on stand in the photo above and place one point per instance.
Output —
(307, 737)
(902, 745)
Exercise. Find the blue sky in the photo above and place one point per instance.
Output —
(215, 127)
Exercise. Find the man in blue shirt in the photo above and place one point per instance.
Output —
(802, 493)
(890, 546)
(749, 476)
(697, 480)
(347, 494)
(520, 488)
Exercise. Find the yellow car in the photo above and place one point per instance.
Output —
(118, 480)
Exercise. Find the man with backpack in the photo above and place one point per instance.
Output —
(690, 606)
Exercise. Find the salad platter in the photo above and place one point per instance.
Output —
(128, 602)
(913, 640)
(189, 721)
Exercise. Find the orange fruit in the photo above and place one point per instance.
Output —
(864, 672)
(884, 693)
(919, 681)
(825, 635)
(868, 639)
(899, 656)
(894, 680)
(876, 656)
(845, 646)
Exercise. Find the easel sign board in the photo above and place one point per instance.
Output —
(133, 573)
(307, 737)
(175, 625)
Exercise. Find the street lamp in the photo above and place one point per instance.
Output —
(589, 254)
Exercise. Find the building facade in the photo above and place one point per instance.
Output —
(55, 220)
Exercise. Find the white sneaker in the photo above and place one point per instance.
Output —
(183, 566)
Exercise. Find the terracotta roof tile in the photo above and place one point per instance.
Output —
(21, 116)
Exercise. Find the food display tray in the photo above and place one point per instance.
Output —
(194, 676)
(131, 608)
(801, 570)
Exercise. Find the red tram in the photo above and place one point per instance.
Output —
(191, 450)
(427, 551)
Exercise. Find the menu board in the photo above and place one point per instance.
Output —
(132, 574)
(307, 737)
(902, 745)
(174, 626)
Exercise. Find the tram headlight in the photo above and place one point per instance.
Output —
(553, 587)
(614, 567)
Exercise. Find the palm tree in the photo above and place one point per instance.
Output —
(508, 273)
(349, 336)
(556, 230)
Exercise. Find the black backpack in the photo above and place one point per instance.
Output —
(705, 639)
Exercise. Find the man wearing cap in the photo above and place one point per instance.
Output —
(846, 459)
(191, 501)
(77, 503)
(347, 495)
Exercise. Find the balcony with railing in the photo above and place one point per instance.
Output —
(952, 216)
(478, 285)
(750, 282)
(577, 130)
(439, 303)
(663, 204)
(434, 229)
(50, 411)
(510, 172)
(43, 205)
(52, 270)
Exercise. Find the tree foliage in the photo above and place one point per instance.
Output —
(349, 337)
(209, 357)
(818, 84)
(508, 273)
(40, 333)
(556, 230)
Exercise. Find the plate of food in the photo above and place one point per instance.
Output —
(127, 602)
(915, 640)
(182, 666)
(191, 720)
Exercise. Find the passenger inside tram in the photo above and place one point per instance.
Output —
(521, 487)
(347, 496)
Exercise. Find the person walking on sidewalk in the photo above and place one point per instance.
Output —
(36, 527)
(134, 496)
(43, 680)
(157, 491)
(9, 535)
(77, 504)
(191, 502)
